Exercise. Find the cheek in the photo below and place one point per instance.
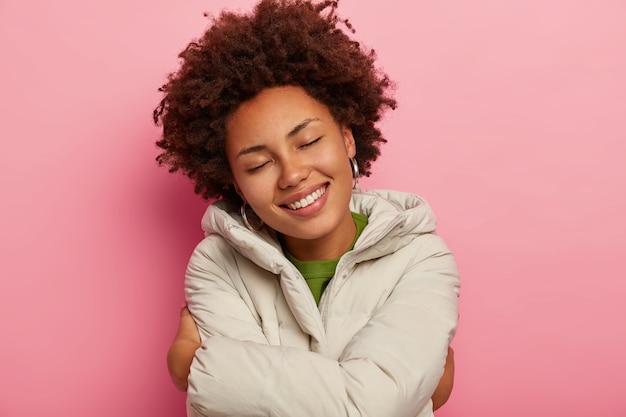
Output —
(254, 189)
(342, 164)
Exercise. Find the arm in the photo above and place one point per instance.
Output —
(390, 368)
(182, 350)
(187, 341)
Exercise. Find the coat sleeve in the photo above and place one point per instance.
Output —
(390, 368)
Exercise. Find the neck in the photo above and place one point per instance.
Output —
(326, 247)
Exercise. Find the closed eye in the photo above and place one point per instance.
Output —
(306, 145)
(258, 167)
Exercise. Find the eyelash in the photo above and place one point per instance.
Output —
(306, 145)
(256, 168)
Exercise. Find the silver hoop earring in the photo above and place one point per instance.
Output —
(355, 172)
(256, 224)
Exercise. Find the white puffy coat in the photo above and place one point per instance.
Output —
(376, 346)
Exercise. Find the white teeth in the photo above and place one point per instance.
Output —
(309, 199)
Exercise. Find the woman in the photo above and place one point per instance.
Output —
(309, 297)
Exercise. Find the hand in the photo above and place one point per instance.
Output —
(444, 389)
(183, 349)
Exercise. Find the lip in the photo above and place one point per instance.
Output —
(302, 194)
(312, 208)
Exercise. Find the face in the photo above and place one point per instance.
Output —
(290, 163)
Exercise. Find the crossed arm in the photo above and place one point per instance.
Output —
(187, 341)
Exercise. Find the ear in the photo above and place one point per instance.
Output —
(238, 190)
(348, 141)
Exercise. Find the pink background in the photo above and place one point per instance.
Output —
(511, 123)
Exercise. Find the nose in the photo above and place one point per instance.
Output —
(292, 172)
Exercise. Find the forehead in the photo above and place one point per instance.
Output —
(275, 112)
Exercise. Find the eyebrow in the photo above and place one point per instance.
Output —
(251, 149)
(293, 132)
(300, 126)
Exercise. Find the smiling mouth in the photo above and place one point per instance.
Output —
(308, 200)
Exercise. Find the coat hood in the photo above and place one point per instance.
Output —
(394, 218)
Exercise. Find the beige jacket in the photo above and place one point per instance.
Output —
(376, 346)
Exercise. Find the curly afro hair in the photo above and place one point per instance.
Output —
(282, 42)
